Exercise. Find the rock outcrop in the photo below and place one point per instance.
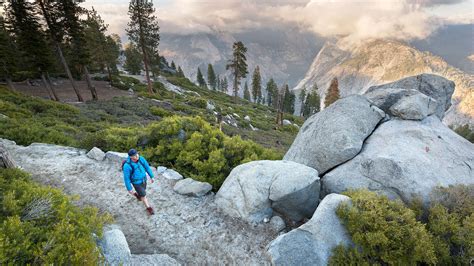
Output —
(413, 98)
(254, 190)
(96, 154)
(405, 158)
(336, 134)
(312, 243)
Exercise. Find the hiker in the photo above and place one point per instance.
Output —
(135, 169)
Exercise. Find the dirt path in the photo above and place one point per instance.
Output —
(191, 230)
(66, 93)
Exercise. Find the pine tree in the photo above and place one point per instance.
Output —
(313, 102)
(218, 83)
(211, 77)
(288, 100)
(224, 85)
(8, 53)
(271, 91)
(246, 92)
(257, 85)
(133, 60)
(113, 47)
(332, 94)
(200, 79)
(143, 30)
(54, 17)
(31, 41)
(238, 65)
(180, 72)
(302, 98)
(173, 65)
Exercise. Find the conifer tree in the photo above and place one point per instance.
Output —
(257, 85)
(238, 65)
(333, 93)
(302, 98)
(143, 31)
(218, 83)
(133, 59)
(180, 72)
(114, 45)
(8, 54)
(31, 41)
(224, 85)
(200, 79)
(54, 17)
(173, 65)
(272, 89)
(246, 92)
(211, 77)
(288, 100)
(313, 102)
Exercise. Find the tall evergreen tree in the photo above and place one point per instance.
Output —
(143, 30)
(302, 98)
(246, 92)
(173, 65)
(288, 101)
(200, 79)
(333, 93)
(257, 85)
(238, 65)
(218, 83)
(272, 90)
(114, 45)
(312, 103)
(8, 54)
(54, 17)
(31, 41)
(211, 77)
(224, 85)
(180, 72)
(133, 59)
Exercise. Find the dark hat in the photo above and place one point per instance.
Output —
(132, 152)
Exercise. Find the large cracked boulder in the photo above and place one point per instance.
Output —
(254, 190)
(313, 242)
(414, 97)
(336, 134)
(115, 248)
(405, 158)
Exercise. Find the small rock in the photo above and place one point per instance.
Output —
(161, 169)
(236, 115)
(116, 156)
(192, 187)
(247, 118)
(172, 175)
(131, 91)
(266, 220)
(277, 223)
(210, 106)
(96, 154)
(182, 135)
(286, 122)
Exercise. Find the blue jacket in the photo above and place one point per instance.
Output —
(140, 168)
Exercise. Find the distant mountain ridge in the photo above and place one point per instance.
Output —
(283, 55)
(379, 61)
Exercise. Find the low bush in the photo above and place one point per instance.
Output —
(466, 132)
(198, 150)
(389, 233)
(158, 111)
(40, 225)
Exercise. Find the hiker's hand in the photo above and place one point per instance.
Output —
(130, 192)
(152, 180)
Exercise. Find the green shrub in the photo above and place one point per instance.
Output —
(113, 139)
(40, 225)
(158, 111)
(197, 102)
(198, 150)
(386, 232)
(466, 132)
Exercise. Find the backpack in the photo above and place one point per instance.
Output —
(133, 169)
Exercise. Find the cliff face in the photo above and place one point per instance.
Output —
(376, 62)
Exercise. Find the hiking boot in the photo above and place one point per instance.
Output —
(150, 210)
(136, 195)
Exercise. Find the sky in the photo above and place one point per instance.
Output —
(355, 19)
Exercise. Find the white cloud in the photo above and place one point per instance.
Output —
(357, 19)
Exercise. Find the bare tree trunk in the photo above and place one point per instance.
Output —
(10, 84)
(145, 62)
(46, 86)
(52, 87)
(236, 88)
(68, 72)
(90, 85)
(6, 160)
(109, 72)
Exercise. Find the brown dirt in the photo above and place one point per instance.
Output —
(66, 93)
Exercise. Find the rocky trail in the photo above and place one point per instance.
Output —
(189, 229)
